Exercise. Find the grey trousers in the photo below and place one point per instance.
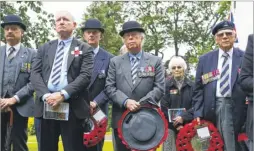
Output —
(224, 122)
(170, 143)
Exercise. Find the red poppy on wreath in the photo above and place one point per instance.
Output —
(185, 135)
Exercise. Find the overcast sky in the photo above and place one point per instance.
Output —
(243, 16)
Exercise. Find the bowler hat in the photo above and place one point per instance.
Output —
(13, 20)
(223, 25)
(131, 26)
(92, 24)
(144, 129)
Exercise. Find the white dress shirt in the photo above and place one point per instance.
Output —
(220, 61)
(17, 47)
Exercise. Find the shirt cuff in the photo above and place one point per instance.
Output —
(45, 96)
(125, 102)
(17, 98)
(66, 95)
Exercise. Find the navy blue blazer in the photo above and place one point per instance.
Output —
(204, 95)
(98, 79)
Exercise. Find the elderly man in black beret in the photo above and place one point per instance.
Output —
(217, 95)
(132, 78)
(92, 34)
(16, 91)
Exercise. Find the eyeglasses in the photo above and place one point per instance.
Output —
(226, 33)
(178, 67)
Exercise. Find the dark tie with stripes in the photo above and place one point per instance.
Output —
(224, 79)
(58, 64)
(134, 69)
(11, 53)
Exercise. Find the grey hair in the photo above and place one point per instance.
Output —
(142, 35)
(177, 60)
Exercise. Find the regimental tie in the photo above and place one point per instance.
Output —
(134, 69)
(56, 72)
(224, 79)
(11, 53)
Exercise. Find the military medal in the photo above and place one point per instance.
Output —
(76, 52)
(174, 91)
(210, 76)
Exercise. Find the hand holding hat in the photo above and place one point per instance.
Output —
(132, 105)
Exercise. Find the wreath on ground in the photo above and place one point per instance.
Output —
(189, 131)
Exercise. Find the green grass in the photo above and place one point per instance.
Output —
(32, 145)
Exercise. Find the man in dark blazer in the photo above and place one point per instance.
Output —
(15, 87)
(61, 73)
(92, 34)
(246, 81)
(132, 78)
(217, 95)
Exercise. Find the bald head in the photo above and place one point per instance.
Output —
(65, 24)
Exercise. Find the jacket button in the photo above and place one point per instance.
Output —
(212, 108)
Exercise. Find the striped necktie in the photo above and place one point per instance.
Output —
(58, 64)
(134, 69)
(224, 79)
(11, 53)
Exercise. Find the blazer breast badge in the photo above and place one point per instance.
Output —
(76, 52)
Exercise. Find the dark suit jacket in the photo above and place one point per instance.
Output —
(78, 76)
(23, 87)
(204, 95)
(98, 80)
(119, 84)
(246, 74)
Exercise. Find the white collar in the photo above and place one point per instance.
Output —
(17, 47)
(230, 52)
(96, 50)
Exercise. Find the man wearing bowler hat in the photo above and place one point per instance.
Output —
(92, 34)
(217, 95)
(16, 90)
(130, 80)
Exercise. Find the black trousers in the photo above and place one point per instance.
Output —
(18, 132)
(71, 132)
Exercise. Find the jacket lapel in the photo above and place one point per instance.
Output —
(235, 66)
(2, 57)
(98, 64)
(214, 66)
(126, 68)
(21, 59)
(74, 44)
(144, 62)
(52, 52)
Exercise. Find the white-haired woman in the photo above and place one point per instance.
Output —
(178, 95)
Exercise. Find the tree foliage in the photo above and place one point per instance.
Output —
(38, 30)
(167, 23)
(110, 15)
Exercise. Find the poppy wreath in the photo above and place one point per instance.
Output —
(120, 130)
(185, 135)
(96, 134)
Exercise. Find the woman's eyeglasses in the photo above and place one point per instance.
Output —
(178, 67)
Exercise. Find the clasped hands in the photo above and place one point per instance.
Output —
(132, 105)
(54, 99)
(7, 102)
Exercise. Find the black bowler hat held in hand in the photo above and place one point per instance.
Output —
(92, 24)
(13, 20)
(143, 130)
(131, 26)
